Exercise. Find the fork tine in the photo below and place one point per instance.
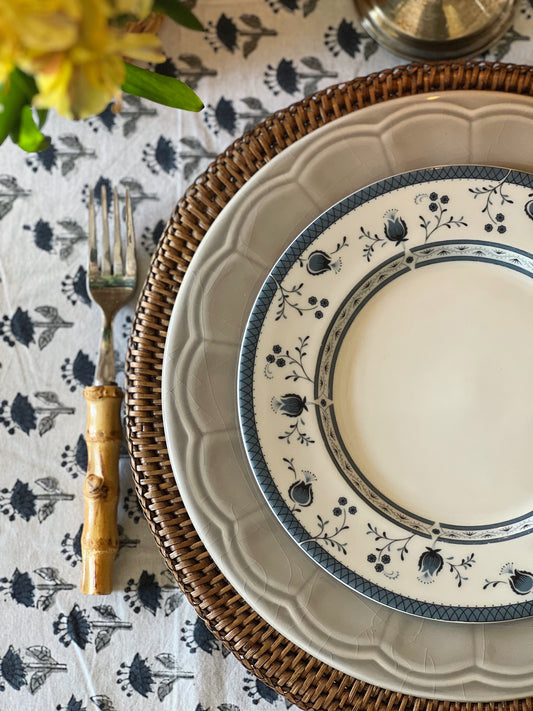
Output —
(131, 264)
(93, 254)
(117, 247)
(106, 254)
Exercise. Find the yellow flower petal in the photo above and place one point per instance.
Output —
(73, 49)
(144, 46)
(137, 8)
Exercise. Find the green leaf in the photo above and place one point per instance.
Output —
(16, 93)
(161, 89)
(27, 134)
(178, 12)
(42, 115)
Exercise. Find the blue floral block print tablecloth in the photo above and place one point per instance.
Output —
(142, 647)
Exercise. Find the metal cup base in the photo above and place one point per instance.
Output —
(435, 29)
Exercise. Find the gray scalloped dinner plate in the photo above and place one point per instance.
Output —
(326, 618)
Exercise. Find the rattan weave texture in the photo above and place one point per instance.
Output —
(302, 679)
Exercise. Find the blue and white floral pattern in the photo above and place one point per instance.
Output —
(248, 64)
(406, 223)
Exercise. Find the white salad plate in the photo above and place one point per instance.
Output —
(385, 392)
(263, 558)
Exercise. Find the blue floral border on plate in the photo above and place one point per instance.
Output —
(247, 416)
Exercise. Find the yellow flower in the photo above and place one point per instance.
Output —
(73, 50)
(137, 8)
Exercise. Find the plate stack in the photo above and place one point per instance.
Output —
(345, 394)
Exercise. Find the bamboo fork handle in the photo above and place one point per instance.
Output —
(99, 541)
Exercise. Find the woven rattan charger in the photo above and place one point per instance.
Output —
(298, 676)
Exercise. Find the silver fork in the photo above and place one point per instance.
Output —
(110, 284)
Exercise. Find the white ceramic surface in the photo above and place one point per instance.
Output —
(324, 617)
(385, 392)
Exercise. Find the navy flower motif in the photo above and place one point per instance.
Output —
(47, 240)
(22, 415)
(430, 564)
(147, 593)
(132, 506)
(438, 219)
(162, 156)
(23, 501)
(301, 490)
(320, 262)
(144, 594)
(73, 705)
(46, 159)
(222, 116)
(225, 33)
(80, 371)
(21, 328)
(77, 627)
(258, 691)
(290, 405)
(528, 207)
(139, 677)
(520, 581)
(197, 636)
(21, 588)
(395, 228)
(151, 236)
(73, 627)
(43, 236)
(286, 77)
(75, 287)
(290, 5)
(71, 547)
(344, 38)
(107, 119)
(74, 459)
(12, 670)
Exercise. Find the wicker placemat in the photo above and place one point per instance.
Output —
(301, 678)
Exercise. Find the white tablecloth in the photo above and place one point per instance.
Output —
(142, 647)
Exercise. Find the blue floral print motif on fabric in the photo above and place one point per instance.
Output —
(225, 33)
(78, 627)
(22, 501)
(29, 593)
(21, 328)
(30, 668)
(78, 372)
(287, 77)
(140, 677)
(161, 157)
(147, 593)
(22, 415)
(74, 459)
